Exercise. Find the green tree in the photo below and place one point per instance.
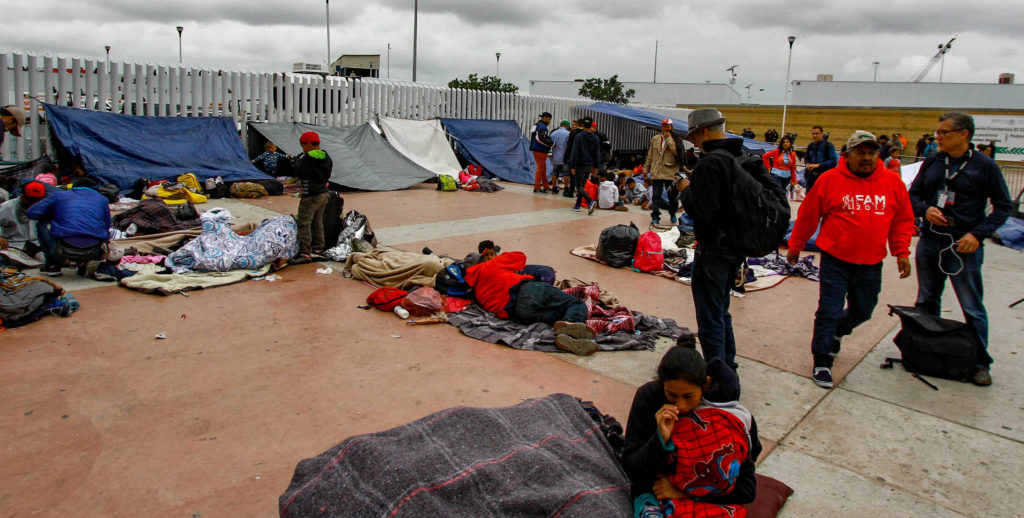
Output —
(609, 90)
(489, 83)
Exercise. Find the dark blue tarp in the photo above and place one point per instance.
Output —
(120, 149)
(1011, 234)
(498, 146)
(653, 120)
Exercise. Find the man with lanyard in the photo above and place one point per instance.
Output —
(820, 157)
(951, 193)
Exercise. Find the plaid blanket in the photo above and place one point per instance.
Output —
(603, 320)
(156, 217)
(477, 322)
(542, 457)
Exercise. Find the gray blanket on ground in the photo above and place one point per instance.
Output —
(477, 322)
(542, 457)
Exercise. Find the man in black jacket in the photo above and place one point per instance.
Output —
(570, 183)
(313, 169)
(586, 154)
(708, 202)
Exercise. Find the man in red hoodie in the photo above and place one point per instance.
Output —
(501, 289)
(860, 205)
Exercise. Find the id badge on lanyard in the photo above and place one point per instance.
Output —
(946, 196)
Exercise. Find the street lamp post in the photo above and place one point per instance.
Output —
(497, 64)
(785, 93)
(389, 61)
(329, 62)
(180, 28)
(876, 70)
(415, 29)
(107, 48)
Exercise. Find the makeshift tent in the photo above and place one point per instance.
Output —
(653, 120)
(120, 149)
(498, 146)
(362, 158)
(423, 142)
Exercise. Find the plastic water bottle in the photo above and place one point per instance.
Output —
(401, 312)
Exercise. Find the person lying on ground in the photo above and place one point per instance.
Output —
(487, 250)
(500, 289)
(16, 229)
(608, 194)
(76, 220)
(691, 406)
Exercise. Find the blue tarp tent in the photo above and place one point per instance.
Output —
(652, 120)
(120, 149)
(498, 146)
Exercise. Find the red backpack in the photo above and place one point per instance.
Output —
(386, 298)
(649, 257)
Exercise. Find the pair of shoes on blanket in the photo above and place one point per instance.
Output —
(575, 337)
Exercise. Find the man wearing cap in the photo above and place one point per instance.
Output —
(540, 145)
(707, 200)
(559, 140)
(13, 119)
(860, 206)
(313, 169)
(16, 229)
(71, 224)
(820, 156)
(951, 193)
(662, 163)
(574, 131)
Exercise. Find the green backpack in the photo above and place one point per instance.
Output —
(446, 182)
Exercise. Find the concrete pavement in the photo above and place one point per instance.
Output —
(101, 418)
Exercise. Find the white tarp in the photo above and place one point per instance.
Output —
(422, 142)
(909, 172)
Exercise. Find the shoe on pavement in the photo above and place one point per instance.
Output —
(822, 377)
(674, 220)
(982, 377)
(554, 191)
(655, 221)
(300, 259)
(575, 330)
(578, 346)
(568, 195)
(592, 208)
(576, 209)
(621, 208)
(50, 271)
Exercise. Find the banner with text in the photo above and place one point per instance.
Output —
(1007, 131)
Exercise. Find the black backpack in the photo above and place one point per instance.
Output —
(760, 215)
(617, 245)
(935, 346)
(451, 280)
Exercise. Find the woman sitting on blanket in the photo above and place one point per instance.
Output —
(690, 447)
(500, 289)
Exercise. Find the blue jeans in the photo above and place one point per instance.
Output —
(51, 254)
(541, 302)
(967, 284)
(673, 198)
(714, 276)
(855, 286)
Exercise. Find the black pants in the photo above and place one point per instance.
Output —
(582, 174)
(541, 302)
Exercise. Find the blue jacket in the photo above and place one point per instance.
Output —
(978, 183)
(823, 153)
(560, 139)
(586, 150)
(80, 212)
(539, 139)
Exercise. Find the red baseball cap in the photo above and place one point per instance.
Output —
(666, 121)
(35, 190)
(309, 137)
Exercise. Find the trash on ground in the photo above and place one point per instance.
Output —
(326, 270)
(161, 336)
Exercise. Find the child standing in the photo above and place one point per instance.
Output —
(682, 428)
(267, 160)
(893, 162)
(313, 169)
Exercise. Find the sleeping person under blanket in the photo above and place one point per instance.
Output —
(502, 290)
(690, 446)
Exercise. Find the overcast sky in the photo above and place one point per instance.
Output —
(543, 39)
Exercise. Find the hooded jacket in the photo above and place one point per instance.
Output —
(80, 212)
(662, 163)
(313, 169)
(857, 215)
(492, 280)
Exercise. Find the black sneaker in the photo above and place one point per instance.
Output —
(50, 271)
(982, 377)
(568, 195)
(822, 377)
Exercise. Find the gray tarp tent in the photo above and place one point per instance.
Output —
(362, 158)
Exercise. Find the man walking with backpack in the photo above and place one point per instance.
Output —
(709, 199)
(860, 205)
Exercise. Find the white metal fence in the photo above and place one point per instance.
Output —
(175, 91)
